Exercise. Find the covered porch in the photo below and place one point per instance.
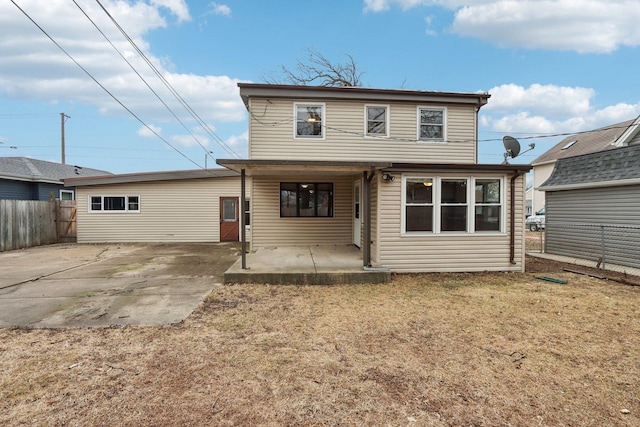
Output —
(310, 221)
(305, 265)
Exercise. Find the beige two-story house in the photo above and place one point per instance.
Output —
(393, 172)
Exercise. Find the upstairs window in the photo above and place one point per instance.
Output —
(309, 121)
(377, 121)
(431, 124)
(114, 203)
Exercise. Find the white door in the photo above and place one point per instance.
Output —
(357, 221)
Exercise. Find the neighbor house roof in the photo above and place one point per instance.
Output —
(619, 166)
(248, 90)
(27, 169)
(149, 176)
(584, 142)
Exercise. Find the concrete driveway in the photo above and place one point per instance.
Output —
(108, 284)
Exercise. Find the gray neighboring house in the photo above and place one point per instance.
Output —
(605, 138)
(23, 178)
(593, 207)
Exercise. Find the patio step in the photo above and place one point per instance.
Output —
(299, 278)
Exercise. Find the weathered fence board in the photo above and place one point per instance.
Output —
(26, 223)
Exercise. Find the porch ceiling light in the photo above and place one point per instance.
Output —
(427, 183)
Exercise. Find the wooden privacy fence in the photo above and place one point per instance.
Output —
(26, 223)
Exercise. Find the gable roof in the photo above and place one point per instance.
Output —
(27, 169)
(248, 90)
(585, 142)
(619, 166)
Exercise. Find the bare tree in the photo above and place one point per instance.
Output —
(317, 69)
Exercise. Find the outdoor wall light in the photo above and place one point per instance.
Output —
(388, 177)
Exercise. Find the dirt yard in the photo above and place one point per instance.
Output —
(499, 349)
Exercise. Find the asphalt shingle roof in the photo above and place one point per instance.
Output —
(33, 169)
(604, 166)
(586, 142)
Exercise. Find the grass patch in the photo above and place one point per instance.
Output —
(431, 349)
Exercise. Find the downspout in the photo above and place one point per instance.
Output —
(366, 250)
(243, 231)
(512, 241)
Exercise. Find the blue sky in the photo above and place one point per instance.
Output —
(552, 67)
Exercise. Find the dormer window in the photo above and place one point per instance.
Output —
(309, 121)
(431, 124)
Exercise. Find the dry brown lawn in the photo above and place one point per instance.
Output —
(434, 349)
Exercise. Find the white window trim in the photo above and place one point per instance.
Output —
(444, 125)
(73, 194)
(403, 218)
(437, 204)
(386, 120)
(295, 121)
(503, 209)
(126, 203)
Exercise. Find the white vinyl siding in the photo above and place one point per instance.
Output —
(271, 134)
(424, 252)
(269, 229)
(170, 211)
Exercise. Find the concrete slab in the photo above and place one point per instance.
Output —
(102, 285)
(304, 265)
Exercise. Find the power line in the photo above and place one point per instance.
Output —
(139, 75)
(168, 85)
(102, 86)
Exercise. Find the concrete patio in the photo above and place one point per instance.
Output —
(305, 265)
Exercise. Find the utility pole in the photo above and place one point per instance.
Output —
(63, 116)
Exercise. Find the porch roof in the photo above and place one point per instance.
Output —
(271, 167)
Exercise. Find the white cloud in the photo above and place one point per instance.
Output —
(585, 26)
(188, 140)
(177, 7)
(548, 109)
(148, 131)
(220, 9)
(32, 67)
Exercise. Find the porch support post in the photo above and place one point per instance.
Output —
(243, 231)
(366, 196)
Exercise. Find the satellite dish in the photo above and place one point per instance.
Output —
(512, 146)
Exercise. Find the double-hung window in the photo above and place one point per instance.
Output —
(376, 121)
(309, 121)
(431, 124)
(114, 203)
(488, 204)
(419, 204)
(453, 205)
(306, 199)
(442, 205)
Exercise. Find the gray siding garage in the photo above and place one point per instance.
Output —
(593, 207)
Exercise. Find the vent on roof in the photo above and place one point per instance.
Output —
(569, 144)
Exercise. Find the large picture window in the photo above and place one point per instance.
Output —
(448, 205)
(306, 199)
(114, 203)
(431, 124)
(309, 120)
